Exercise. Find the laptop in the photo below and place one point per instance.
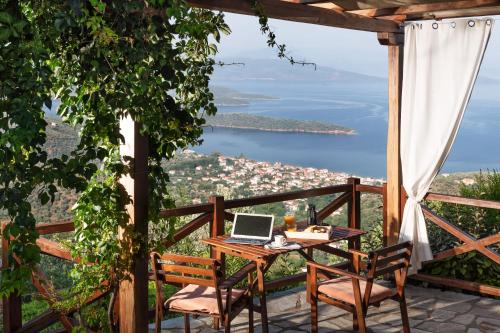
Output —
(252, 229)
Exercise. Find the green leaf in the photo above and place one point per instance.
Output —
(5, 18)
(44, 198)
(4, 34)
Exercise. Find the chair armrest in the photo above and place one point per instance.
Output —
(238, 276)
(334, 270)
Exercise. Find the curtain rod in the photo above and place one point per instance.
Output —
(452, 22)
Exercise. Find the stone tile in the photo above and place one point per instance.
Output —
(488, 324)
(427, 304)
(434, 326)
(389, 319)
(415, 313)
(380, 328)
(459, 307)
(488, 302)
(429, 310)
(442, 315)
(464, 319)
(178, 323)
(416, 330)
(415, 322)
(474, 330)
(491, 312)
(457, 296)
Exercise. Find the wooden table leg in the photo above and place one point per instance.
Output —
(262, 294)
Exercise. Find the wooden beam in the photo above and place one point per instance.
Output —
(188, 228)
(319, 3)
(56, 227)
(133, 295)
(54, 249)
(394, 177)
(289, 11)
(454, 283)
(467, 247)
(462, 200)
(187, 210)
(354, 213)
(334, 205)
(40, 322)
(461, 235)
(427, 8)
(286, 196)
(446, 14)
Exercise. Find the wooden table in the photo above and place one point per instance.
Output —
(264, 258)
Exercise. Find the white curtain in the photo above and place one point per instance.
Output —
(441, 62)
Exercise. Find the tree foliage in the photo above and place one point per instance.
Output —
(104, 60)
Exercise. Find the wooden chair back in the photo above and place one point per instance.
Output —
(180, 270)
(389, 260)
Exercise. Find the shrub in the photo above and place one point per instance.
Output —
(479, 222)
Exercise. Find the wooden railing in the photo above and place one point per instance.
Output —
(470, 243)
(216, 212)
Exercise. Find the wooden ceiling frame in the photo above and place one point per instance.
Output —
(346, 13)
(434, 10)
(293, 11)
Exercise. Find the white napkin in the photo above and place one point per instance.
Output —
(288, 246)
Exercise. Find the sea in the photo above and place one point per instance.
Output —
(362, 107)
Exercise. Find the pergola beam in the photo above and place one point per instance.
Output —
(289, 11)
(446, 14)
(432, 10)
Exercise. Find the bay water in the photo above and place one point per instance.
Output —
(362, 107)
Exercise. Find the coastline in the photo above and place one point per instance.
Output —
(292, 130)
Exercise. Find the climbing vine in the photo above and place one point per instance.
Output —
(103, 60)
(271, 36)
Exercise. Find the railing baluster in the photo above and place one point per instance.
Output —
(217, 226)
(354, 212)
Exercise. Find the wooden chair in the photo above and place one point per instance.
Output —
(204, 291)
(354, 291)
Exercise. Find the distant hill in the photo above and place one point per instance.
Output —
(262, 123)
(282, 70)
(229, 97)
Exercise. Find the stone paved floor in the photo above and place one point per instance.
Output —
(430, 310)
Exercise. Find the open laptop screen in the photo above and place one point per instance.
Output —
(253, 226)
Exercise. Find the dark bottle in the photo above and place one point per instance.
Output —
(312, 215)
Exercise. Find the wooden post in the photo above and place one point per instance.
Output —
(384, 214)
(394, 178)
(217, 226)
(12, 307)
(354, 212)
(217, 229)
(133, 294)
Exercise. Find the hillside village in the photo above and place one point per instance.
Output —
(240, 176)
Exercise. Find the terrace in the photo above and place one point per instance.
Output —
(429, 310)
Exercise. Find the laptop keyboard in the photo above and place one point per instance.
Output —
(246, 241)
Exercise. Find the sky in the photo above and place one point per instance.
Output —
(350, 50)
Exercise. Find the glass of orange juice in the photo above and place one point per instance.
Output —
(290, 223)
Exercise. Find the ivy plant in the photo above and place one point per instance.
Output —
(103, 60)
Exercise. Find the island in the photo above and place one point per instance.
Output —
(271, 124)
(229, 97)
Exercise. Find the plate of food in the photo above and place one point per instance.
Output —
(312, 232)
